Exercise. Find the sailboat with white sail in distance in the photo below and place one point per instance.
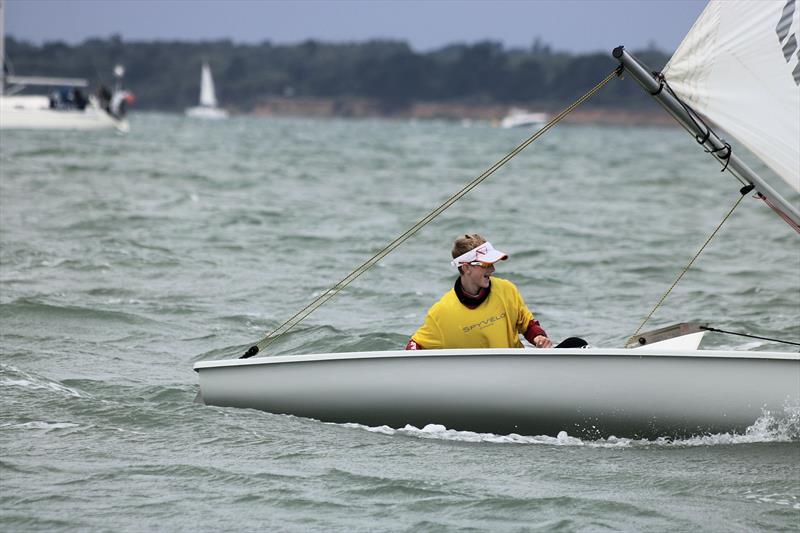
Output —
(660, 384)
(209, 107)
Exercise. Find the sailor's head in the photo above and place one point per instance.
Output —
(475, 256)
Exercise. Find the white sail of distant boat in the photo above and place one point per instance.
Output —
(737, 68)
(208, 107)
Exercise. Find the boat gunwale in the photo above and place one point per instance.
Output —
(645, 352)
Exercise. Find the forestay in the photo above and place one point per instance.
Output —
(739, 67)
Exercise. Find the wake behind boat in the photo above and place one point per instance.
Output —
(661, 386)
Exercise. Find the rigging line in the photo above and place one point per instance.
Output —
(743, 192)
(700, 124)
(330, 293)
(751, 336)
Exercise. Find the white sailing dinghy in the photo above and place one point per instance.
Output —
(208, 107)
(663, 385)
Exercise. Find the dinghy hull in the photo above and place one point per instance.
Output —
(591, 393)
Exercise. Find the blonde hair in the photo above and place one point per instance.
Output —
(465, 243)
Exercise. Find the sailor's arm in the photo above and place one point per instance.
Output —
(429, 336)
(537, 336)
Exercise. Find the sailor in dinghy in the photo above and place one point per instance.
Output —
(480, 311)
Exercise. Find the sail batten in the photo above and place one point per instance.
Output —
(733, 68)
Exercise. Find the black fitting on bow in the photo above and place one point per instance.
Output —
(746, 189)
(250, 352)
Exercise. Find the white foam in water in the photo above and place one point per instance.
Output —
(777, 499)
(752, 345)
(47, 426)
(768, 428)
(439, 432)
(39, 385)
(32, 382)
(55, 263)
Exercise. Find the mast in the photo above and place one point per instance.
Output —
(2, 47)
(713, 144)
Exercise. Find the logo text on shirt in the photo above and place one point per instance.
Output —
(484, 323)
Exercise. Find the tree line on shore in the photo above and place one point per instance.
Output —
(164, 75)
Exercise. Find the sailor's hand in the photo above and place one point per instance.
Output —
(540, 341)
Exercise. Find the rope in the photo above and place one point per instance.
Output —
(750, 336)
(743, 192)
(330, 293)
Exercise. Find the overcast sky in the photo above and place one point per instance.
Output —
(569, 25)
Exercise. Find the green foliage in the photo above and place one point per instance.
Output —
(165, 75)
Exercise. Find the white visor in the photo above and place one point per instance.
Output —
(485, 253)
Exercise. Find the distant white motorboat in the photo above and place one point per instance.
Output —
(65, 107)
(521, 118)
(208, 107)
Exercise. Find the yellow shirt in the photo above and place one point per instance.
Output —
(496, 323)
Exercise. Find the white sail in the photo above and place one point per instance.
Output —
(208, 96)
(738, 66)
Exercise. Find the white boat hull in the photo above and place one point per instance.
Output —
(34, 113)
(524, 120)
(590, 393)
(211, 113)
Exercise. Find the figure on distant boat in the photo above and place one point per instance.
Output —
(104, 97)
(68, 98)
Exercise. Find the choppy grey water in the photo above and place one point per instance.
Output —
(125, 259)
